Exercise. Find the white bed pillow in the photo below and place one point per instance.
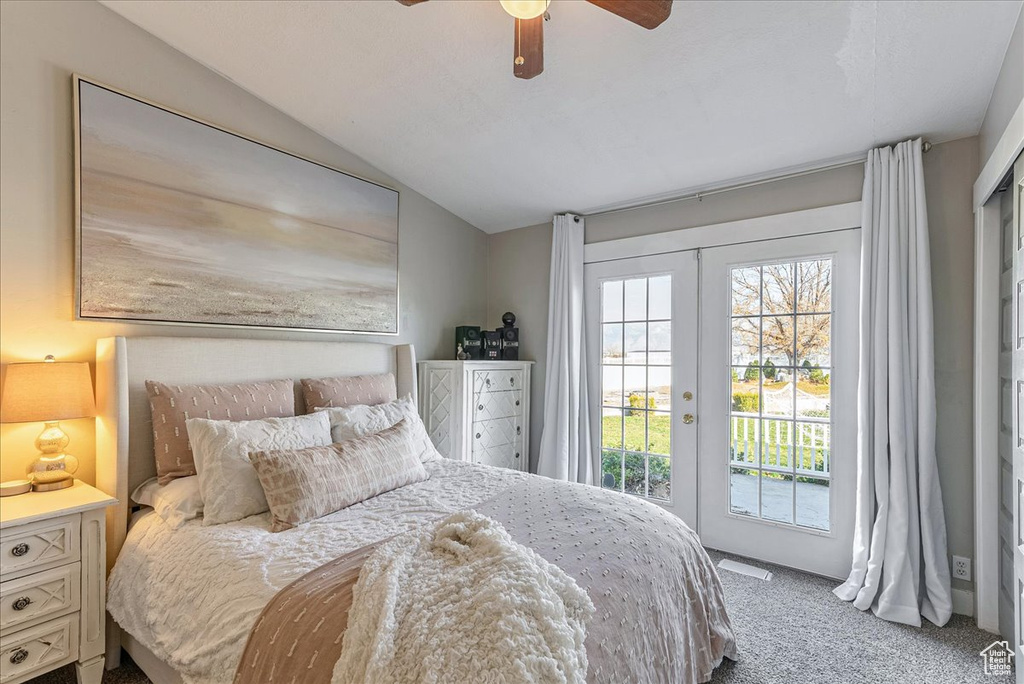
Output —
(351, 422)
(229, 485)
(177, 502)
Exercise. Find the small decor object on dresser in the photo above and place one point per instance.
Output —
(478, 411)
(52, 583)
(469, 337)
(509, 337)
(492, 345)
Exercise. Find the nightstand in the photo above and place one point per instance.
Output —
(53, 583)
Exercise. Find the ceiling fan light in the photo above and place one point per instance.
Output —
(525, 9)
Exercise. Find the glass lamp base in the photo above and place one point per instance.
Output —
(53, 486)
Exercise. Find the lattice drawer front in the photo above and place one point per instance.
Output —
(492, 433)
(35, 597)
(490, 405)
(43, 543)
(497, 380)
(38, 648)
(501, 456)
(439, 407)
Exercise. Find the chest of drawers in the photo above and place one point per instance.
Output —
(52, 581)
(478, 411)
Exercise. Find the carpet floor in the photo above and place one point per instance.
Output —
(793, 630)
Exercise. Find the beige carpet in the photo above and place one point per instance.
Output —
(793, 630)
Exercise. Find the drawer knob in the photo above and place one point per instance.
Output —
(517, 454)
(488, 382)
(480, 407)
(21, 603)
(19, 656)
(519, 430)
(19, 549)
(478, 435)
(517, 402)
(512, 381)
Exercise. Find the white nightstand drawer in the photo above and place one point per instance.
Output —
(37, 597)
(37, 545)
(38, 649)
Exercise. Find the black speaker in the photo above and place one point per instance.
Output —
(469, 337)
(492, 345)
(509, 343)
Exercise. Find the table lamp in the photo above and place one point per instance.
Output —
(48, 392)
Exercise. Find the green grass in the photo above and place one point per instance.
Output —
(658, 441)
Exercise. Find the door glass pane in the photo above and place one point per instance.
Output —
(659, 387)
(611, 343)
(780, 426)
(611, 301)
(635, 307)
(635, 344)
(636, 441)
(659, 293)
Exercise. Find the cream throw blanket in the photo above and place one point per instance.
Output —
(460, 601)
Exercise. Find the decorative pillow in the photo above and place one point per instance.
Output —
(305, 484)
(177, 502)
(230, 487)
(359, 389)
(359, 421)
(172, 405)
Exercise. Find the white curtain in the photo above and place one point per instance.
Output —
(900, 570)
(565, 441)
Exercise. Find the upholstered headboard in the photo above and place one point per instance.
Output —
(124, 431)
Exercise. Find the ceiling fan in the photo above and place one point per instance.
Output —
(528, 58)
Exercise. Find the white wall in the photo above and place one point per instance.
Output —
(1008, 92)
(950, 170)
(41, 44)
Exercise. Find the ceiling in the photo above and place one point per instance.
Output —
(721, 91)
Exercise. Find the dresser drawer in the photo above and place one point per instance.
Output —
(492, 433)
(38, 649)
(509, 455)
(497, 380)
(34, 598)
(38, 545)
(488, 405)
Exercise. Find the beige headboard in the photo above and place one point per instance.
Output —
(124, 432)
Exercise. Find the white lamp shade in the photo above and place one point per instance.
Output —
(525, 9)
(36, 392)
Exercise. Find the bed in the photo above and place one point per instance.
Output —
(184, 601)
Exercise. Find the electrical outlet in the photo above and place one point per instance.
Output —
(962, 568)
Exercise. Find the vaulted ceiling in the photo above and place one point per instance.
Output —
(722, 90)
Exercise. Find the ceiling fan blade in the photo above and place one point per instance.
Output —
(410, 3)
(529, 48)
(647, 13)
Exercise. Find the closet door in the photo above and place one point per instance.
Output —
(1017, 495)
(1006, 392)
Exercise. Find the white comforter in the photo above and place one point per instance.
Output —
(192, 596)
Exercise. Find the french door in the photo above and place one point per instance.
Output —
(642, 345)
(761, 337)
(778, 390)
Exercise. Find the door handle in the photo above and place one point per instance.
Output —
(688, 418)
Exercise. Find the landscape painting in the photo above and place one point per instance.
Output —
(183, 222)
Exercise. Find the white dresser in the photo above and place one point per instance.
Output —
(478, 411)
(53, 583)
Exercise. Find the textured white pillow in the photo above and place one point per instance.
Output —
(350, 422)
(230, 487)
(177, 502)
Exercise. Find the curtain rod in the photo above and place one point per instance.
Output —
(699, 196)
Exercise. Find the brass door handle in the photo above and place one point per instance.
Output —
(687, 418)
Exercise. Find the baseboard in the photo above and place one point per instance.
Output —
(963, 602)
